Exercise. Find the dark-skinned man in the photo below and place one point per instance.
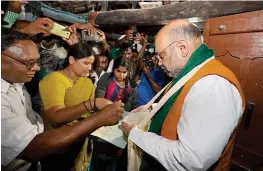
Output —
(23, 140)
(153, 79)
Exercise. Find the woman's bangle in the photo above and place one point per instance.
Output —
(86, 106)
(90, 111)
(91, 105)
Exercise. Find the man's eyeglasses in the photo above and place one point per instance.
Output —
(158, 54)
(29, 64)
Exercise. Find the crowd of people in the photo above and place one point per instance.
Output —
(57, 91)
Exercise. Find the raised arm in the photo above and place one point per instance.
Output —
(60, 139)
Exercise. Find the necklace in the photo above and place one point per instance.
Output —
(66, 73)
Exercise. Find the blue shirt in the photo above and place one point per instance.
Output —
(145, 91)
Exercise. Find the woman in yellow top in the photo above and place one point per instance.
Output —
(67, 96)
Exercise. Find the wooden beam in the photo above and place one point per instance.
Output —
(162, 15)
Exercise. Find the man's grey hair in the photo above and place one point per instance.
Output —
(187, 31)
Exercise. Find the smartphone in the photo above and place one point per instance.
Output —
(60, 31)
(89, 37)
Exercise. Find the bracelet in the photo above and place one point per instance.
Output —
(85, 106)
(95, 108)
(90, 111)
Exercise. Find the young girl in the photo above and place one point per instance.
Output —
(116, 86)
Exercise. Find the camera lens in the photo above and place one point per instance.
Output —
(149, 64)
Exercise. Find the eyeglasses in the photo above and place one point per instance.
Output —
(29, 64)
(158, 54)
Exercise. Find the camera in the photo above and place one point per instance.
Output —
(149, 64)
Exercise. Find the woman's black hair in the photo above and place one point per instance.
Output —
(119, 62)
(79, 51)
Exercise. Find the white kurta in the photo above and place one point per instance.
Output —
(19, 124)
(210, 113)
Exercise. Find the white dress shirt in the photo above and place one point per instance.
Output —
(210, 113)
(97, 77)
(110, 67)
(19, 124)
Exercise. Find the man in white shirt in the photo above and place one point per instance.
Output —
(132, 36)
(23, 140)
(101, 65)
(195, 128)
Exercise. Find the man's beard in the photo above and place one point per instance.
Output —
(172, 74)
(175, 73)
